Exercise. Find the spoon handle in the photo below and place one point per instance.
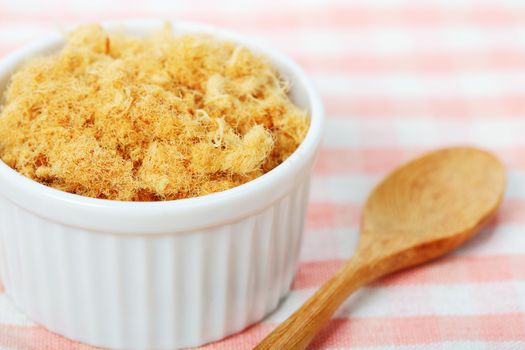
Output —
(300, 328)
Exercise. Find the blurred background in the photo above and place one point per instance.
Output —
(397, 77)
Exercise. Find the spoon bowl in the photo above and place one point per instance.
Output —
(432, 204)
(421, 211)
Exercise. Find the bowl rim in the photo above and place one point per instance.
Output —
(43, 200)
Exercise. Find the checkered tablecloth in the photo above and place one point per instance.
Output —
(397, 78)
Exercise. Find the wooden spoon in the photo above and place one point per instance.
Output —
(421, 211)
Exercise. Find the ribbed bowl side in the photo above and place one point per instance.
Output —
(154, 291)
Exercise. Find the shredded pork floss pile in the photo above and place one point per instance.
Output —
(142, 119)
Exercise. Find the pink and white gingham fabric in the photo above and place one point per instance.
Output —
(397, 78)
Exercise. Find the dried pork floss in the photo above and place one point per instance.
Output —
(143, 119)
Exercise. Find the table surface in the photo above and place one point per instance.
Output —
(397, 78)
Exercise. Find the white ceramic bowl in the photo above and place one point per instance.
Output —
(161, 275)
